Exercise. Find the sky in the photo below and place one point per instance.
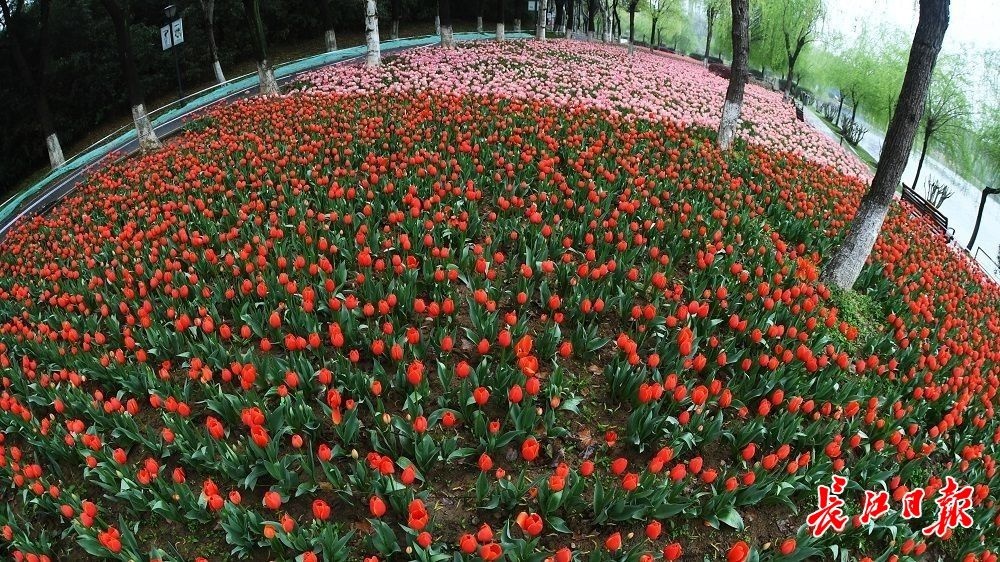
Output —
(973, 23)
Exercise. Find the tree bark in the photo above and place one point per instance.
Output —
(923, 153)
(631, 25)
(653, 42)
(479, 24)
(793, 56)
(373, 56)
(540, 20)
(330, 40)
(592, 18)
(143, 127)
(560, 26)
(738, 75)
(847, 261)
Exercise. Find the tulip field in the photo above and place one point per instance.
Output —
(502, 302)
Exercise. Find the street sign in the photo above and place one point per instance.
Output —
(532, 5)
(171, 35)
(166, 37)
(178, 29)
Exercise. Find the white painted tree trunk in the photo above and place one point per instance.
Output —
(542, 15)
(447, 37)
(265, 75)
(219, 76)
(517, 25)
(144, 130)
(848, 260)
(394, 32)
(437, 25)
(500, 36)
(331, 40)
(56, 157)
(730, 119)
(373, 57)
(479, 24)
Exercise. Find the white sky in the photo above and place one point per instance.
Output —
(974, 24)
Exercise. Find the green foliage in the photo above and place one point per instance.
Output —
(861, 311)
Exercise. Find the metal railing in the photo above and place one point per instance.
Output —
(987, 263)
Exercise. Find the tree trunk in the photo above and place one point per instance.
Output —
(616, 24)
(266, 79)
(265, 73)
(847, 261)
(571, 22)
(143, 127)
(444, 14)
(479, 24)
(329, 36)
(54, 149)
(738, 75)
(500, 19)
(923, 153)
(708, 35)
(653, 35)
(541, 17)
(840, 106)
(631, 27)
(38, 87)
(373, 56)
(208, 8)
(144, 130)
(592, 19)
(560, 26)
(395, 8)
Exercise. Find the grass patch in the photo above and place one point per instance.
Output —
(861, 311)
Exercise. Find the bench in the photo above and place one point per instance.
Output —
(928, 211)
(799, 113)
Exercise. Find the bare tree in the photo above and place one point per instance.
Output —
(738, 75)
(143, 126)
(208, 8)
(265, 72)
(373, 55)
(846, 262)
(34, 72)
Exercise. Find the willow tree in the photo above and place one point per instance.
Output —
(713, 9)
(738, 74)
(123, 39)
(34, 70)
(265, 72)
(947, 107)
(844, 266)
(799, 22)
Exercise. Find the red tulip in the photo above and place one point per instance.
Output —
(739, 552)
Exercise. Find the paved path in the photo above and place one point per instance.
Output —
(41, 196)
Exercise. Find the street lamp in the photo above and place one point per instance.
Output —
(171, 12)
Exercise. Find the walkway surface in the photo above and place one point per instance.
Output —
(41, 196)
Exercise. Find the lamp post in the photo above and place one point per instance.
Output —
(171, 11)
(979, 218)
